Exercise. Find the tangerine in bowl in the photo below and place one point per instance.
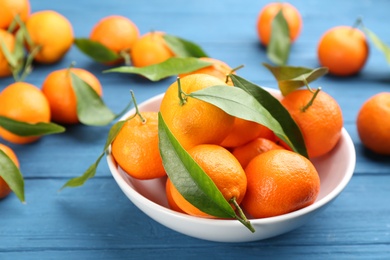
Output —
(335, 170)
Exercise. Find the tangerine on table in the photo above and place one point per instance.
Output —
(58, 89)
(150, 49)
(320, 123)
(9, 40)
(373, 125)
(194, 122)
(10, 8)
(223, 169)
(115, 32)
(279, 182)
(52, 33)
(4, 188)
(135, 148)
(217, 69)
(245, 153)
(268, 13)
(344, 50)
(23, 102)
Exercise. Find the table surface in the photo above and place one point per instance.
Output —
(97, 221)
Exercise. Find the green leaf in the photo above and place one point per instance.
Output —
(278, 49)
(96, 50)
(170, 67)
(184, 48)
(91, 109)
(91, 171)
(378, 43)
(190, 179)
(11, 59)
(291, 78)
(30, 129)
(11, 175)
(277, 110)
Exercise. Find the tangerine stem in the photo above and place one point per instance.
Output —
(125, 54)
(28, 65)
(181, 93)
(311, 100)
(241, 216)
(137, 112)
(232, 71)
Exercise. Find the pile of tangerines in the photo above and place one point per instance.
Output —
(245, 160)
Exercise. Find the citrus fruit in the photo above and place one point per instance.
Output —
(244, 131)
(279, 182)
(218, 69)
(245, 153)
(115, 32)
(150, 49)
(52, 33)
(344, 50)
(135, 148)
(224, 170)
(194, 121)
(9, 40)
(23, 102)
(4, 188)
(10, 8)
(373, 125)
(320, 123)
(58, 90)
(171, 202)
(268, 13)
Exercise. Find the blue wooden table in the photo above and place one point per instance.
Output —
(97, 221)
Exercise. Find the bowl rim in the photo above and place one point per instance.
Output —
(256, 221)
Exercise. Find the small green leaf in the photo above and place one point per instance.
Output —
(170, 67)
(278, 49)
(190, 179)
(11, 59)
(91, 171)
(291, 78)
(96, 50)
(378, 43)
(29, 129)
(277, 110)
(184, 48)
(91, 109)
(11, 175)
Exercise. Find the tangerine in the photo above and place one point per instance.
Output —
(9, 41)
(135, 148)
(58, 90)
(344, 50)
(24, 102)
(372, 124)
(171, 202)
(4, 188)
(224, 170)
(51, 34)
(279, 182)
(193, 121)
(245, 153)
(117, 33)
(319, 117)
(10, 8)
(268, 13)
(150, 49)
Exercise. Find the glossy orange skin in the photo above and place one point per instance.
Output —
(58, 90)
(344, 50)
(372, 124)
(10, 8)
(279, 182)
(268, 13)
(23, 102)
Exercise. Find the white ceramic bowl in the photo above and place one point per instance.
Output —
(335, 170)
